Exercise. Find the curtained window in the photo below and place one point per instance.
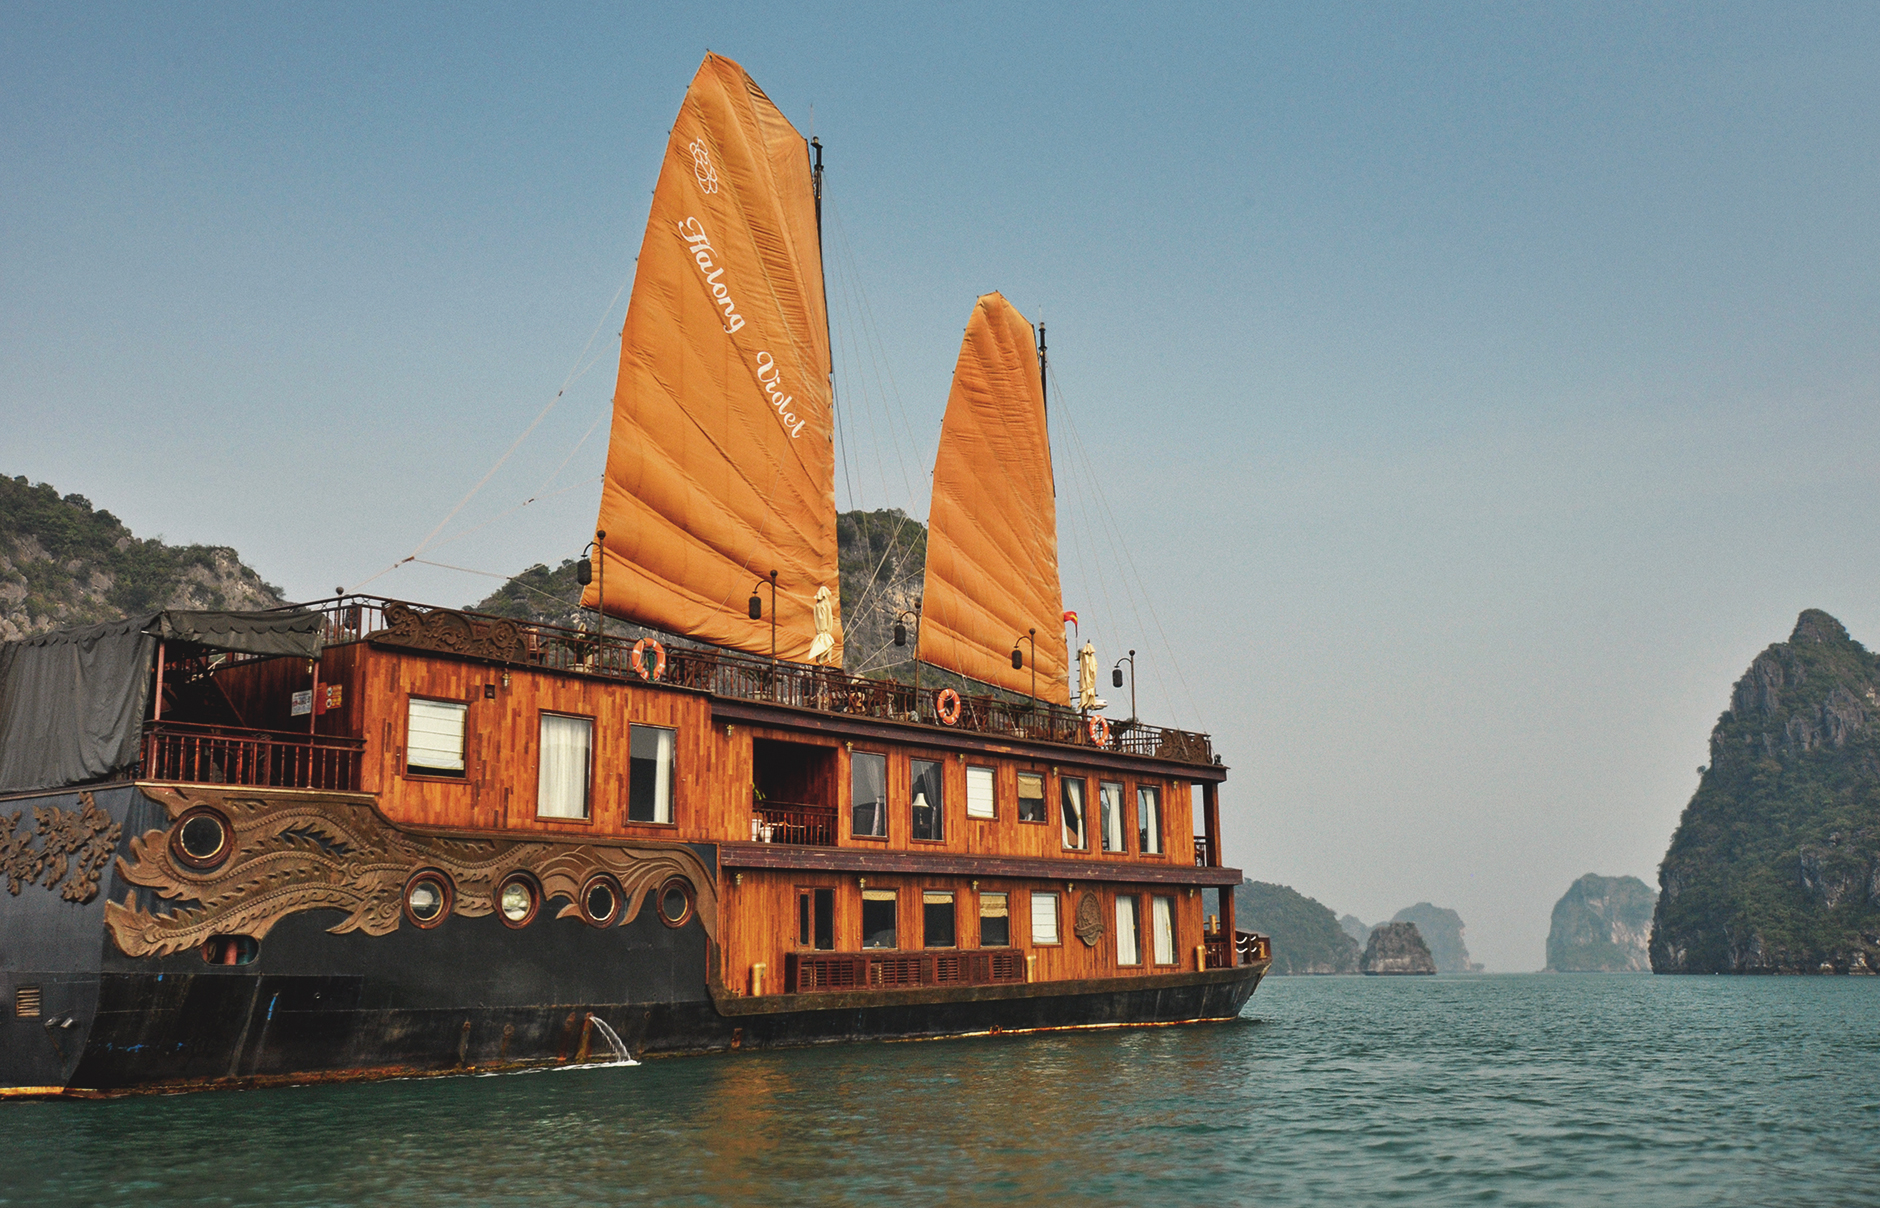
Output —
(1031, 798)
(1128, 950)
(978, 792)
(649, 774)
(1044, 918)
(1110, 814)
(868, 794)
(995, 924)
(567, 754)
(434, 737)
(936, 919)
(928, 817)
(1148, 819)
(1072, 789)
(1163, 911)
(878, 918)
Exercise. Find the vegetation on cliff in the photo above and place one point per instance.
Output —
(1441, 929)
(1602, 925)
(62, 563)
(1775, 865)
(1306, 936)
(1396, 948)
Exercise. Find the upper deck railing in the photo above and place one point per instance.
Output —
(738, 676)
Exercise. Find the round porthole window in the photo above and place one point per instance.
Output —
(675, 902)
(600, 900)
(202, 839)
(518, 900)
(427, 898)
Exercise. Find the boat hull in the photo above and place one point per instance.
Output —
(470, 994)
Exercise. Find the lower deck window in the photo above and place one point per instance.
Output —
(434, 737)
(878, 918)
(1128, 949)
(995, 922)
(1031, 797)
(1164, 925)
(936, 919)
(1044, 918)
(816, 918)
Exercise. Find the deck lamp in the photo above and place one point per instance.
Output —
(757, 608)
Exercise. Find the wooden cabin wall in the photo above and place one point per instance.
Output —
(759, 922)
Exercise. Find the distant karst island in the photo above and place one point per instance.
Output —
(1602, 925)
(1309, 939)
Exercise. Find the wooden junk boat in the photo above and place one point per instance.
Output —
(364, 838)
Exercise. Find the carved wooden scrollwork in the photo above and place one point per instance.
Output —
(1089, 925)
(450, 632)
(77, 841)
(293, 854)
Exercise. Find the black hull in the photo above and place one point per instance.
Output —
(469, 994)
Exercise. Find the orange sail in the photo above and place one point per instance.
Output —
(992, 567)
(721, 467)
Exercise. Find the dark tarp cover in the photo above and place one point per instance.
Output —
(73, 703)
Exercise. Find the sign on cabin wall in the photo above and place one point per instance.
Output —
(331, 697)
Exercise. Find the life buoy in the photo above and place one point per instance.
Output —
(1099, 730)
(659, 659)
(947, 704)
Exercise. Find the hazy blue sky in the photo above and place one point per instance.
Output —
(1474, 390)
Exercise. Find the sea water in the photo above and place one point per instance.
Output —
(1575, 1089)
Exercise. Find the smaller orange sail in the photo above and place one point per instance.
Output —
(992, 565)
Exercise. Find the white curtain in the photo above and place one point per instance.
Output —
(978, 792)
(1110, 798)
(1044, 918)
(1149, 819)
(1164, 922)
(1128, 951)
(562, 784)
(434, 736)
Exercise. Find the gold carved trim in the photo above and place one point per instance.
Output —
(293, 853)
(449, 632)
(78, 841)
(1089, 926)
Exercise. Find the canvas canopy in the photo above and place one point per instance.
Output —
(73, 702)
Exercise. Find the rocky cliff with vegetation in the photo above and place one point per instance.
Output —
(1775, 864)
(1602, 925)
(1306, 936)
(63, 562)
(1441, 929)
(1396, 948)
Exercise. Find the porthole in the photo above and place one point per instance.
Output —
(600, 900)
(202, 839)
(231, 949)
(428, 898)
(518, 900)
(675, 902)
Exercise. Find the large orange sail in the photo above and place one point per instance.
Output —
(721, 467)
(992, 566)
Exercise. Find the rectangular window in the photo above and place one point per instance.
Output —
(434, 738)
(878, 918)
(978, 792)
(649, 774)
(1110, 814)
(1072, 789)
(924, 790)
(567, 759)
(1163, 912)
(868, 794)
(1148, 819)
(936, 919)
(995, 923)
(1128, 951)
(816, 918)
(1031, 798)
(1044, 918)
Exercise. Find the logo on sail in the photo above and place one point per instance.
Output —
(702, 167)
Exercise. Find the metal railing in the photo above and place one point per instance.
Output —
(737, 676)
(199, 754)
(1244, 949)
(1204, 853)
(808, 973)
(791, 822)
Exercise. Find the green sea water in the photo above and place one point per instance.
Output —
(1483, 1090)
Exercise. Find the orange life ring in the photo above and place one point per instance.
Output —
(1099, 730)
(947, 704)
(659, 659)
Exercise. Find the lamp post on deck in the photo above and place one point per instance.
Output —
(757, 610)
(900, 639)
(1116, 679)
(1018, 660)
(584, 574)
